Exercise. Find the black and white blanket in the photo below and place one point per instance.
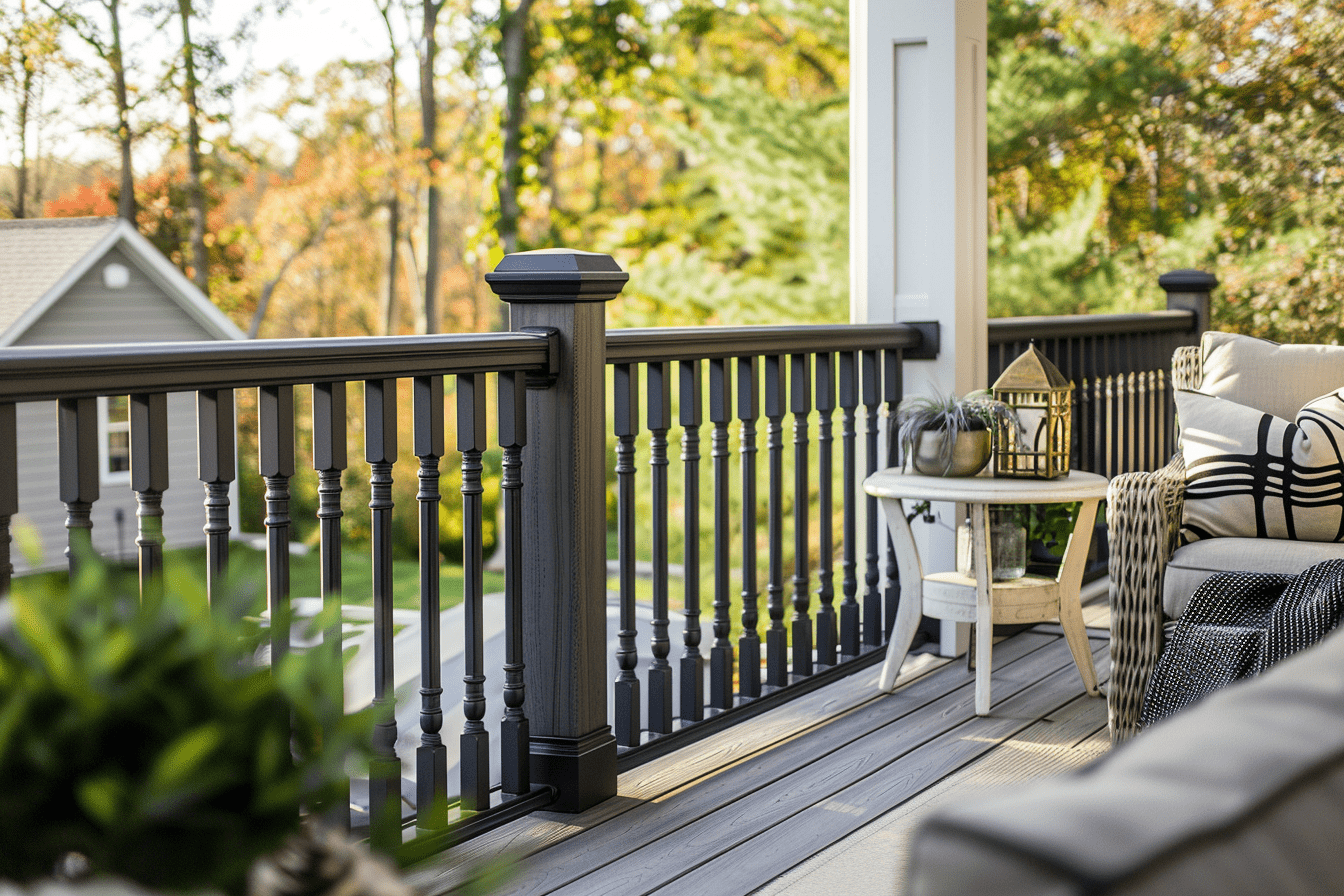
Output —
(1237, 625)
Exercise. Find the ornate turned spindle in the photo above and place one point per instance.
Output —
(892, 388)
(275, 452)
(149, 480)
(77, 446)
(475, 750)
(800, 405)
(626, 406)
(849, 607)
(216, 444)
(690, 416)
(660, 670)
(380, 451)
(721, 652)
(431, 756)
(9, 489)
(776, 637)
(826, 621)
(872, 597)
(516, 775)
(330, 459)
(749, 643)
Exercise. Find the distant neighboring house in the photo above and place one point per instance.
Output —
(67, 281)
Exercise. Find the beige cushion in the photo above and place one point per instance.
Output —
(1277, 379)
(1250, 473)
(1195, 562)
(1239, 794)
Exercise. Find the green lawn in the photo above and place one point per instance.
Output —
(305, 574)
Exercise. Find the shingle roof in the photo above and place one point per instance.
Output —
(37, 252)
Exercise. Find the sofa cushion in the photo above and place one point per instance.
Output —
(1237, 795)
(1249, 473)
(1191, 564)
(1277, 379)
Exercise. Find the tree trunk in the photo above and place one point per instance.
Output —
(126, 196)
(429, 126)
(195, 190)
(514, 58)
(388, 311)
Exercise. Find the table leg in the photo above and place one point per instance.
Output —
(911, 608)
(1070, 595)
(984, 607)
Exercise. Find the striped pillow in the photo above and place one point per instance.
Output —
(1252, 474)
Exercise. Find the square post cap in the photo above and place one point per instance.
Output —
(557, 276)
(1187, 280)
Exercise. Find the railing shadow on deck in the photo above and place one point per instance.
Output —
(784, 526)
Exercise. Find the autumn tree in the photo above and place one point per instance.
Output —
(29, 58)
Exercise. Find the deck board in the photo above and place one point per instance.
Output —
(737, 810)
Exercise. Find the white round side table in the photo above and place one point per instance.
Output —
(951, 595)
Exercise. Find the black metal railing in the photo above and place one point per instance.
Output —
(74, 377)
(804, 374)
(784, 527)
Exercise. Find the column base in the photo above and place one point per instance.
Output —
(582, 769)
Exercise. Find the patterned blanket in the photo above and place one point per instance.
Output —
(1237, 625)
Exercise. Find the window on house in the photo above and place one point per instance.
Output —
(114, 439)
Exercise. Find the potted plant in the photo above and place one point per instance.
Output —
(946, 435)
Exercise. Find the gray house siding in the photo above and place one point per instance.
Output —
(40, 506)
(91, 313)
(88, 313)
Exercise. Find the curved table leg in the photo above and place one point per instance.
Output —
(911, 608)
(984, 607)
(1070, 595)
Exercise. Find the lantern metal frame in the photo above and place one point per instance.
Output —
(1039, 446)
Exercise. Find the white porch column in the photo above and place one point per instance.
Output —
(918, 195)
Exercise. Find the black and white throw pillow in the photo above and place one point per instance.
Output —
(1252, 474)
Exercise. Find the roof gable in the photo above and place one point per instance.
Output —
(40, 259)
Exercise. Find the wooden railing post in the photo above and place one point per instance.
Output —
(1188, 290)
(564, 532)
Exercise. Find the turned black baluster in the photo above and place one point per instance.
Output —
(516, 774)
(149, 480)
(330, 459)
(849, 607)
(660, 670)
(380, 451)
(749, 643)
(626, 405)
(216, 467)
(692, 661)
(475, 739)
(431, 756)
(721, 653)
(9, 489)
(77, 448)
(776, 637)
(800, 405)
(275, 450)
(826, 621)
(872, 597)
(891, 390)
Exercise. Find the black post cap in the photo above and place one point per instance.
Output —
(558, 276)
(1187, 280)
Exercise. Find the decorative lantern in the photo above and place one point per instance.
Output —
(1042, 399)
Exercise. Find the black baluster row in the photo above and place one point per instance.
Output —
(774, 386)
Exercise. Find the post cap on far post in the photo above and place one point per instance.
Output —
(557, 275)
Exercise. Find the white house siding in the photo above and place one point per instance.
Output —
(39, 500)
(91, 313)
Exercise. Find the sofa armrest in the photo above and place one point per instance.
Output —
(1143, 514)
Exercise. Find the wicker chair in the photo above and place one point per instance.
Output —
(1143, 515)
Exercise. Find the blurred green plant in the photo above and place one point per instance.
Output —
(146, 737)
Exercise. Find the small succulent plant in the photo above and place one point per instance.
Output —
(950, 414)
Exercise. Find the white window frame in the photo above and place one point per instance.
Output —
(106, 428)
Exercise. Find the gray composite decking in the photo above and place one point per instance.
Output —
(815, 796)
